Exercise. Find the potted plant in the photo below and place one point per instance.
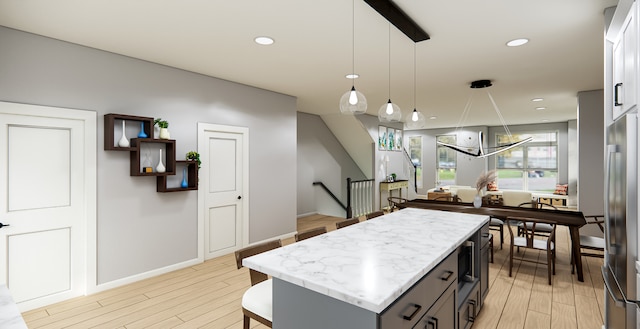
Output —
(163, 125)
(193, 156)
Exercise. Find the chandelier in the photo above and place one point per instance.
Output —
(480, 151)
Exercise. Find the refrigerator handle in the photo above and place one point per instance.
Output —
(619, 298)
(611, 150)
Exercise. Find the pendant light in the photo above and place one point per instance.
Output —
(389, 112)
(415, 119)
(480, 151)
(353, 101)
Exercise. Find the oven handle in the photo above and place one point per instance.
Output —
(472, 255)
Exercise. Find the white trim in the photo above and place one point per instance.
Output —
(281, 237)
(202, 128)
(146, 275)
(307, 214)
(90, 175)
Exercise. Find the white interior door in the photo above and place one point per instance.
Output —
(43, 205)
(223, 182)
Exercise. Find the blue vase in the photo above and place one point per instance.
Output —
(184, 183)
(142, 134)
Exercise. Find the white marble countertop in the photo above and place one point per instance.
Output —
(10, 317)
(372, 263)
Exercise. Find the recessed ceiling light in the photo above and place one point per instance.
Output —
(352, 76)
(433, 117)
(537, 99)
(517, 42)
(540, 108)
(263, 41)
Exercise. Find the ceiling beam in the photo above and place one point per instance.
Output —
(399, 19)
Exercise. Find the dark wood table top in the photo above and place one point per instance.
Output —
(561, 217)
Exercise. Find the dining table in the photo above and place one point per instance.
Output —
(574, 220)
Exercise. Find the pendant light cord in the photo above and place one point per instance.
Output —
(414, 77)
(504, 124)
(353, 42)
(389, 58)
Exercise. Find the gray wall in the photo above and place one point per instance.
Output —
(397, 163)
(322, 158)
(591, 150)
(574, 162)
(140, 230)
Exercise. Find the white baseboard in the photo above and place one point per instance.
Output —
(281, 237)
(145, 275)
(307, 214)
(167, 269)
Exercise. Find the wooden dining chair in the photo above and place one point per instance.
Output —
(467, 195)
(395, 202)
(542, 229)
(374, 214)
(347, 222)
(531, 240)
(257, 301)
(310, 233)
(511, 199)
(594, 244)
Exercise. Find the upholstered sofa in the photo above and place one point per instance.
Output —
(557, 200)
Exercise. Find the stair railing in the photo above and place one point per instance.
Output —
(413, 175)
(360, 197)
(333, 196)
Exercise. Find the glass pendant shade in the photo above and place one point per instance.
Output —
(389, 112)
(353, 102)
(415, 120)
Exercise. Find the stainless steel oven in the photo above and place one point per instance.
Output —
(466, 263)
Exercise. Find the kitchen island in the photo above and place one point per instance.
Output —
(399, 270)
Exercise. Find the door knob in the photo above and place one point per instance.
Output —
(3, 225)
(239, 197)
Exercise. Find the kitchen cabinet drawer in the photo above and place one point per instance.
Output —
(409, 308)
(442, 315)
(469, 309)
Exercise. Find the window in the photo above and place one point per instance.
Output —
(415, 153)
(530, 167)
(446, 162)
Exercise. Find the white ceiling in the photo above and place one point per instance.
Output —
(313, 49)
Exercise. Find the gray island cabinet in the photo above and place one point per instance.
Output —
(412, 268)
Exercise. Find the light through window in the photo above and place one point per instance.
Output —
(415, 153)
(530, 167)
(446, 162)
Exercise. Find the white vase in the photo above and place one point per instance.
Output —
(123, 142)
(477, 201)
(164, 133)
(160, 167)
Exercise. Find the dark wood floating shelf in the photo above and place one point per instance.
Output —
(192, 178)
(110, 121)
(141, 148)
(169, 156)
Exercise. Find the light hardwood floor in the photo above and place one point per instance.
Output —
(208, 296)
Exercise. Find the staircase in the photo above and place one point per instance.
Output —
(358, 136)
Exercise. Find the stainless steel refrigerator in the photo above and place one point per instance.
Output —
(621, 215)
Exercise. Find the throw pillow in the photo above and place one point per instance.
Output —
(493, 186)
(561, 189)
